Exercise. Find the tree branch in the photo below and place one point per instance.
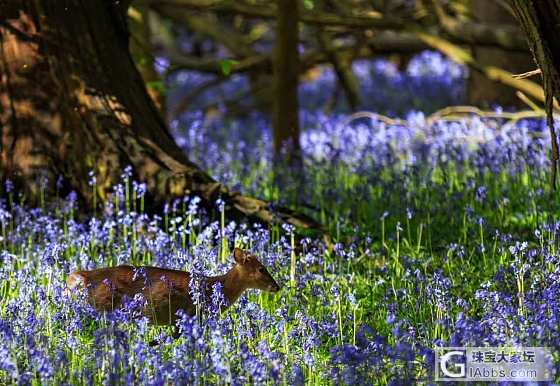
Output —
(214, 66)
(527, 74)
(382, 43)
(504, 36)
(184, 102)
(208, 25)
(509, 37)
(370, 20)
(462, 56)
(343, 69)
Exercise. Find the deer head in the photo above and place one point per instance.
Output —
(253, 273)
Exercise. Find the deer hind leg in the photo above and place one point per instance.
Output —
(75, 280)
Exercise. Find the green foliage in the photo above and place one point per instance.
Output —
(157, 85)
(414, 251)
(226, 65)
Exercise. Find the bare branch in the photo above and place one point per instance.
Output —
(506, 36)
(381, 43)
(209, 25)
(527, 74)
(180, 61)
(462, 56)
(184, 102)
(343, 69)
(369, 19)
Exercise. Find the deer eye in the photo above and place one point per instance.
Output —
(262, 269)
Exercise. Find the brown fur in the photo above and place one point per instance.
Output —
(167, 290)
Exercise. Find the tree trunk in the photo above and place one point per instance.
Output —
(541, 22)
(71, 101)
(481, 90)
(286, 80)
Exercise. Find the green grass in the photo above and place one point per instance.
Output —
(385, 262)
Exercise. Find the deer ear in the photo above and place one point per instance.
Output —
(239, 256)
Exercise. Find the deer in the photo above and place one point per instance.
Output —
(166, 291)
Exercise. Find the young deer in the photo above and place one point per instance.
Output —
(166, 290)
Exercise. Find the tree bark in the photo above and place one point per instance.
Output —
(71, 101)
(541, 22)
(286, 81)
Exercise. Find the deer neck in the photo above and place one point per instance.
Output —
(232, 285)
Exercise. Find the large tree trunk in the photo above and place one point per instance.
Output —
(540, 20)
(71, 101)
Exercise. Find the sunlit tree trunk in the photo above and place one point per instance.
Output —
(71, 101)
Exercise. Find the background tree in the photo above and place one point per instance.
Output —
(541, 22)
(338, 32)
(286, 81)
(72, 100)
